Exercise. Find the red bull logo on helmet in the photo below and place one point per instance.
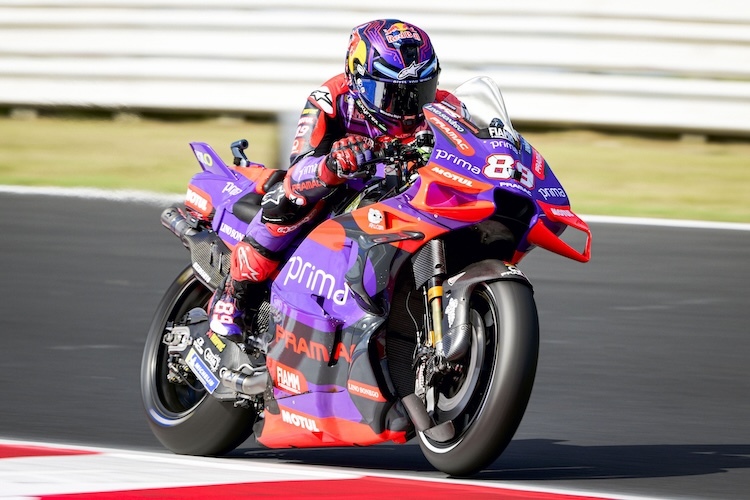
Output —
(357, 54)
(401, 31)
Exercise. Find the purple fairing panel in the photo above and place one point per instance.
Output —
(313, 280)
(345, 400)
(229, 228)
(325, 357)
(224, 186)
(546, 187)
(318, 327)
(210, 161)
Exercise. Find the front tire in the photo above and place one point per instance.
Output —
(186, 420)
(486, 402)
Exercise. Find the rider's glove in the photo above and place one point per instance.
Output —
(348, 154)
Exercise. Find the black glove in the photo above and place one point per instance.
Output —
(348, 154)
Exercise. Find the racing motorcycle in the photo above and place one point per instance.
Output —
(402, 314)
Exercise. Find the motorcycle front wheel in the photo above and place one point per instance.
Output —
(185, 418)
(487, 399)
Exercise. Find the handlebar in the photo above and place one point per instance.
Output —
(403, 158)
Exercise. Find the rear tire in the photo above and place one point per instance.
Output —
(184, 420)
(487, 401)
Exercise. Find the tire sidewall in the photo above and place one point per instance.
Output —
(211, 427)
(513, 373)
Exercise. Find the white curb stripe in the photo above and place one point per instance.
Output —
(115, 470)
(128, 195)
(112, 469)
(644, 221)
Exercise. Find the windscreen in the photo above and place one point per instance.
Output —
(484, 101)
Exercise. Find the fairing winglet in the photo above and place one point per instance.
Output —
(541, 236)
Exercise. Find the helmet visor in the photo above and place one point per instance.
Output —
(398, 99)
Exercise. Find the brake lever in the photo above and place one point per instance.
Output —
(391, 153)
(364, 170)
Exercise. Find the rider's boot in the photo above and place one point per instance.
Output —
(225, 313)
(229, 303)
(231, 312)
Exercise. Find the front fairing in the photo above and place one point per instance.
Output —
(478, 158)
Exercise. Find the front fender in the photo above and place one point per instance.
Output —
(457, 291)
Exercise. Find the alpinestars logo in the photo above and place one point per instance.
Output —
(322, 97)
(272, 198)
(244, 264)
(411, 71)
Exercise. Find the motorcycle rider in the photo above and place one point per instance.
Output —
(391, 71)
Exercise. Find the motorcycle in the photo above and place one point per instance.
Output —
(402, 314)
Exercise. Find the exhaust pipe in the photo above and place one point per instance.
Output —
(173, 219)
(246, 384)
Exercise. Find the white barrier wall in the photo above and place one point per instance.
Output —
(660, 64)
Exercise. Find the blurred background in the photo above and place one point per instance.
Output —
(663, 65)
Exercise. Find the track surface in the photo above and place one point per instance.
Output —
(643, 386)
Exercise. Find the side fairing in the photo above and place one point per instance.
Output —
(328, 306)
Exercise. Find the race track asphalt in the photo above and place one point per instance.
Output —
(643, 385)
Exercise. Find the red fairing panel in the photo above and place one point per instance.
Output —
(541, 236)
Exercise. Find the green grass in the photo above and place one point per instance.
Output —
(144, 155)
(635, 176)
(604, 174)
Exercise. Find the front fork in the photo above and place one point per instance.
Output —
(429, 363)
(434, 308)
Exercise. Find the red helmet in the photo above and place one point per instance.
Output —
(392, 71)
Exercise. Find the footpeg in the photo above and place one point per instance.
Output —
(424, 423)
(221, 365)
